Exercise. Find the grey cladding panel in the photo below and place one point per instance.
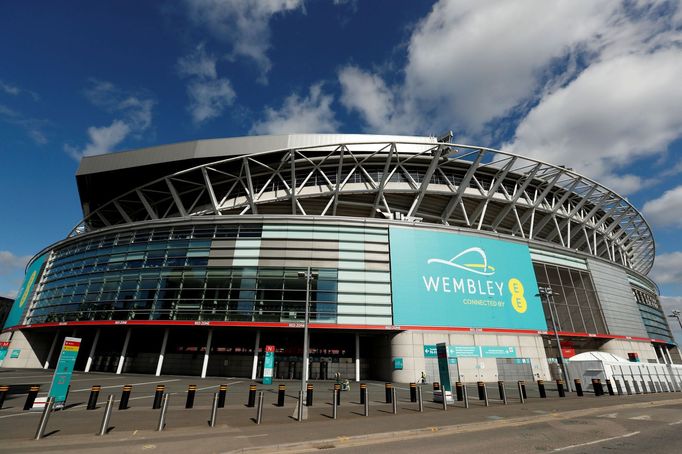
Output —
(618, 303)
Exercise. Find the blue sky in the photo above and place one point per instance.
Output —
(593, 84)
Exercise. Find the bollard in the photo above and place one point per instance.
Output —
(485, 395)
(299, 406)
(222, 395)
(191, 391)
(394, 400)
(609, 387)
(366, 401)
(458, 390)
(104, 427)
(3, 394)
(465, 395)
(520, 392)
(481, 390)
(94, 395)
(596, 385)
(413, 392)
(619, 388)
(252, 396)
(578, 387)
(523, 389)
(436, 386)
(31, 396)
(158, 395)
(214, 409)
(420, 401)
(541, 389)
(388, 387)
(162, 415)
(335, 401)
(560, 388)
(280, 395)
(44, 417)
(259, 412)
(309, 395)
(503, 392)
(337, 389)
(363, 394)
(445, 401)
(125, 396)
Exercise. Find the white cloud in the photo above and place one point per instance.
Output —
(33, 126)
(309, 114)
(243, 24)
(668, 268)
(133, 114)
(10, 263)
(199, 63)
(669, 304)
(14, 90)
(208, 98)
(368, 95)
(615, 112)
(665, 210)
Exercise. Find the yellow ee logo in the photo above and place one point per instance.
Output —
(518, 301)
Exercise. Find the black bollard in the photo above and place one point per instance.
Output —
(389, 391)
(458, 391)
(337, 392)
(125, 396)
(436, 386)
(596, 385)
(560, 388)
(94, 395)
(31, 396)
(3, 394)
(541, 389)
(609, 387)
(413, 392)
(222, 395)
(280, 395)
(481, 390)
(158, 395)
(191, 391)
(363, 387)
(309, 395)
(501, 390)
(522, 385)
(578, 387)
(252, 396)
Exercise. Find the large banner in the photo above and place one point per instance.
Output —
(16, 315)
(449, 279)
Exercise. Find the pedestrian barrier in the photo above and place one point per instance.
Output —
(94, 395)
(191, 391)
(125, 396)
(413, 392)
(458, 391)
(541, 389)
(280, 395)
(560, 388)
(222, 396)
(389, 393)
(363, 393)
(337, 390)
(31, 396)
(158, 396)
(309, 395)
(578, 387)
(252, 396)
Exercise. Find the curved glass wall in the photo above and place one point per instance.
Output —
(652, 315)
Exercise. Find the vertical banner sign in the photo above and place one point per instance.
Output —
(62, 374)
(443, 369)
(16, 314)
(269, 364)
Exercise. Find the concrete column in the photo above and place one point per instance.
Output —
(656, 351)
(49, 354)
(159, 364)
(667, 351)
(254, 368)
(207, 353)
(357, 356)
(92, 351)
(121, 360)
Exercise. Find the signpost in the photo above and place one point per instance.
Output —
(62, 373)
(269, 364)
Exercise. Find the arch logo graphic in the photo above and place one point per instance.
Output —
(484, 283)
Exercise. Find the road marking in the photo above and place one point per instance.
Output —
(19, 414)
(608, 415)
(46, 376)
(675, 423)
(631, 434)
(641, 418)
(251, 436)
(215, 386)
(119, 386)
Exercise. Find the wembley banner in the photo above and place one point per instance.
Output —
(449, 279)
(16, 315)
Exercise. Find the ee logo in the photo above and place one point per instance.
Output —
(518, 301)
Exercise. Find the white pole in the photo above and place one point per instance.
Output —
(119, 369)
(206, 353)
(357, 356)
(656, 351)
(49, 355)
(254, 368)
(162, 353)
(88, 364)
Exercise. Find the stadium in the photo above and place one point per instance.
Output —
(192, 257)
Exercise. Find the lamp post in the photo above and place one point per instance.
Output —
(308, 275)
(676, 314)
(549, 297)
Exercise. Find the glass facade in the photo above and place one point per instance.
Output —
(163, 274)
(652, 314)
(576, 304)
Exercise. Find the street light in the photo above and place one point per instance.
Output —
(676, 314)
(549, 297)
(308, 275)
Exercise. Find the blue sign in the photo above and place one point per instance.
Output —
(62, 373)
(443, 369)
(268, 364)
(464, 351)
(16, 315)
(498, 352)
(450, 279)
(397, 364)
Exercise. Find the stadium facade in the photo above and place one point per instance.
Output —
(192, 257)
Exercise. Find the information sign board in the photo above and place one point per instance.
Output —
(62, 373)
(268, 364)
